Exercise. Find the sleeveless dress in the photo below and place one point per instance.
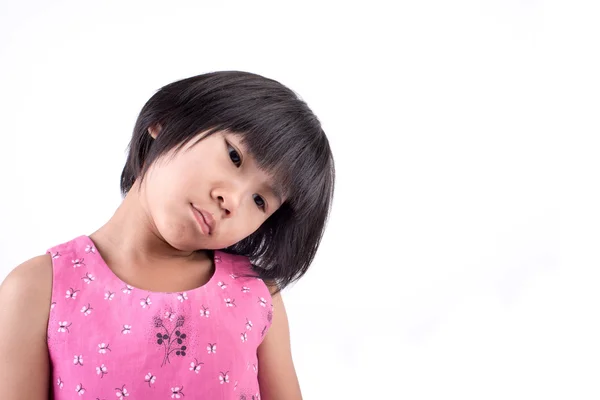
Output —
(109, 340)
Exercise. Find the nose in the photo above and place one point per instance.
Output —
(229, 200)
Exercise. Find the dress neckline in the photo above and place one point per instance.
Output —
(216, 259)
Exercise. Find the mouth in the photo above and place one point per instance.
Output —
(204, 219)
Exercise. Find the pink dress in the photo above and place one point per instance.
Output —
(109, 340)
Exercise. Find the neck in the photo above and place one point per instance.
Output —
(131, 236)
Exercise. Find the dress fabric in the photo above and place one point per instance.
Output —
(109, 340)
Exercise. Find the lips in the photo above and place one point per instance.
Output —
(204, 218)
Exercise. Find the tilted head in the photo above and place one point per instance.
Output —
(243, 153)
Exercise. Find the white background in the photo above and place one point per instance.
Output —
(461, 258)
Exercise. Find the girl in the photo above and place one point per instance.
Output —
(227, 188)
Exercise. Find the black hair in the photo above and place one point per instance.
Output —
(281, 133)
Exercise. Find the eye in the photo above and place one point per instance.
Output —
(260, 202)
(234, 155)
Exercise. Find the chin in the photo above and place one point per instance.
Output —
(181, 239)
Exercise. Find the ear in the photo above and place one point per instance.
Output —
(154, 130)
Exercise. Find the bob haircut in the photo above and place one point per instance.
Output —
(281, 133)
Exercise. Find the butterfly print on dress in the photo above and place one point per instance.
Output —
(101, 370)
(205, 312)
(177, 392)
(64, 326)
(80, 389)
(103, 347)
(150, 379)
(122, 392)
(88, 278)
(195, 366)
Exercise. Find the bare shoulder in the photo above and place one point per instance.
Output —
(25, 296)
(33, 274)
(28, 287)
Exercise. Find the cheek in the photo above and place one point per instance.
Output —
(252, 223)
(238, 229)
(170, 181)
(162, 195)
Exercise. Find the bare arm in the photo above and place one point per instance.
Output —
(25, 297)
(276, 373)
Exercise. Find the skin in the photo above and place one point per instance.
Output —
(151, 242)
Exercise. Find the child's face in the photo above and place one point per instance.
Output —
(215, 176)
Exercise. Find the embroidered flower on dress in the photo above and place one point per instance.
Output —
(172, 340)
